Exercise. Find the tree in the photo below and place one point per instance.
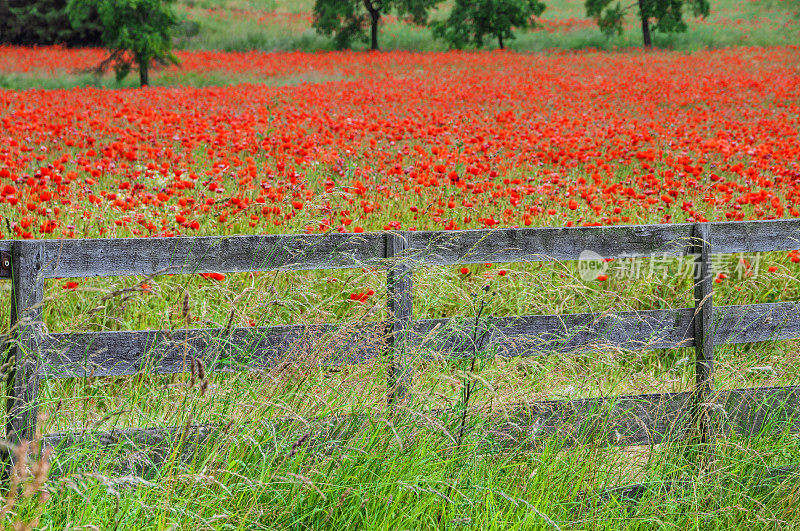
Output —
(138, 32)
(41, 22)
(347, 20)
(655, 15)
(471, 21)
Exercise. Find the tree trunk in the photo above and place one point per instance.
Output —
(375, 16)
(144, 73)
(500, 42)
(645, 16)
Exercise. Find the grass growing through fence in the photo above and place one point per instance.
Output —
(376, 471)
(275, 298)
(274, 463)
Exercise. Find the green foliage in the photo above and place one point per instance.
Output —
(608, 17)
(665, 16)
(471, 21)
(9, 29)
(138, 32)
(43, 22)
(349, 20)
(241, 32)
(345, 21)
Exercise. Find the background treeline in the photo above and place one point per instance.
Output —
(474, 22)
(470, 22)
(31, 22)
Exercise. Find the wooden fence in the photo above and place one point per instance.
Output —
(627, 420)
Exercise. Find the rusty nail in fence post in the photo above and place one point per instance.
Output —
(5, 264)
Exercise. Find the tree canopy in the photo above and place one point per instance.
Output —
(471, 21)
(41, 22)
(348, 20)
(138, 32)
(655, 15)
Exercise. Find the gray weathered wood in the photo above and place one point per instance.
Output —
(616, 421)
(756, 236)
(702, 408)
(142, 449)
(754, 323)
(543, 334)
(26, 325)
(612, 421)
(546, 244)
(228, 254)
(567, 243)
(224, 254)
(399, 285)
(617, 241)
(646, 419)
(166, 352)
(759, 410)
(68, 355)
(633, 330)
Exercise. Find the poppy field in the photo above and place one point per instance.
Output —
(402, 141)
(353, 142)
(410, 141)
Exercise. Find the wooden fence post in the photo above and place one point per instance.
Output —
(399, 302)
(702, 410)
(22, 387)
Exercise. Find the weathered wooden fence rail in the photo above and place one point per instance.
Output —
(35, 354)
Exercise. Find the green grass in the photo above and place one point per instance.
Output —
(66, 81)
(409, 470)
(376, 472)
(422, 486)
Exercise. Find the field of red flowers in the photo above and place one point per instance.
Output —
(400, 140)
(355, 142)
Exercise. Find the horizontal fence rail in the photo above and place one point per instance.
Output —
(615, 421)
(38, 354)
(235, 254)
(86, 354)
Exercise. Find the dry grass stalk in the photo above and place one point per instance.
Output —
(28, 474)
